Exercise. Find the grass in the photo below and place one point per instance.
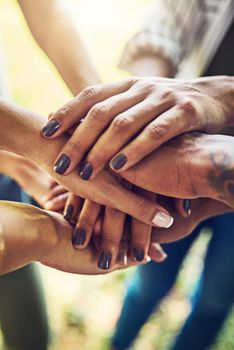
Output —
(83, 310)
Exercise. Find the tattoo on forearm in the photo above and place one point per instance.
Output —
(221, 177)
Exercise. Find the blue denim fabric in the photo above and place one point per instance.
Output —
(213, 298)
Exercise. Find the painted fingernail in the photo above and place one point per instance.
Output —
(86, 171)
(119, 161)
(163, 220)
(79, 237)
(50, 128)
(62, 164)
(138, 254)
(148, 258)
(187, 206)
(163, 255)
(69, 212)
(104, 261)
(122, 258)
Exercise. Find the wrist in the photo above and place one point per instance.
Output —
(151, 65)
(7, 163)
(212, 171)
(25, 238)
(221, 89)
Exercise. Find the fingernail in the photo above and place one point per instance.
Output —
(50, 128)
(79, 236)
(119, 161)
(69, 212)
(163, 220)
(163, 255)
(62, 164)
(122, 258)
(187, 206)
(138, 254)
(104, 261)
(86, 171)
(148, 258)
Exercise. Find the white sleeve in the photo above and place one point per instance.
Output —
(156, 38)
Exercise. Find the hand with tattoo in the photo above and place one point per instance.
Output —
(126, 121)
(192, 165)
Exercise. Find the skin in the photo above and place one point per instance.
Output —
(153, 110)
(33, 180)
(105, 190)
(192, 165)
(145, 173)
(113, 221)
(70, 57)
(60, 41)
(49, 241)
(45, 237)
(202, 209)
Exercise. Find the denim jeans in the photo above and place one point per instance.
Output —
(213, 298)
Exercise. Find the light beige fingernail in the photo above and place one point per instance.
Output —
(163, 220)
(148, 258)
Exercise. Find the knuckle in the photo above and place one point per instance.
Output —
(190, 111)
(140, 240)
(97, 112)
(157, 130)
(111, 239)
(64, 112)
(112, 212)
(73, 147)
(188, 106)
(147, 87)
(121, 124)
(168, 94)
(89, 92)
(142, 209)
(86, 221)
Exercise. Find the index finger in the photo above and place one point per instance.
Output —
(76, 109)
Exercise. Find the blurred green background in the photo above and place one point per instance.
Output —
(83, 310)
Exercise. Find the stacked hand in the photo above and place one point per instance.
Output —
(124, 125)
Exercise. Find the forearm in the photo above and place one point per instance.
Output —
(60, 40)
(25, 233)
(6, 162)
(20, 133)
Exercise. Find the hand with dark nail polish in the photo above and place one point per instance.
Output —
(138, 254)
(104, 261)
(86, 171)
(69, 212)
(119, 161)
(62, 164)
(50, 128)
(79, 237)
(187, 206)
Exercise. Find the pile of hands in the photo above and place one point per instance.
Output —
(150, 136)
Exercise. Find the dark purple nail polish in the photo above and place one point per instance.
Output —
(187, 203)
(69, 212)
(119, 161)
(79, 237)
(138, 254)
(62, 164)
(122, 257)
(86, 171)
(50, 128)
(104, 261)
